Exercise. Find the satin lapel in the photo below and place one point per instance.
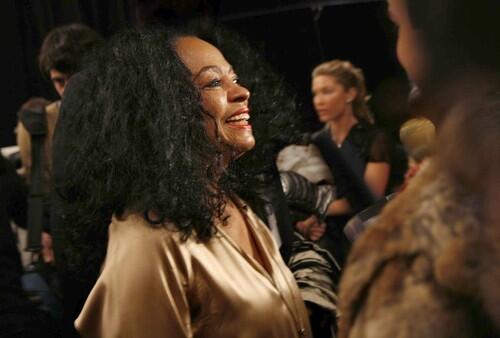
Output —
(281, 275)
(256, 265)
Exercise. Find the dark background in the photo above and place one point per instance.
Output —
(293, 35)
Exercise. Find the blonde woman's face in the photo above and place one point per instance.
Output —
(410, 50)
(330, 98)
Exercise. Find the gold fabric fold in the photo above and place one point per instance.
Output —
(153, 284)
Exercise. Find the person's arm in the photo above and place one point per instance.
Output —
(378, 166)
(339, 207)
(377, 177)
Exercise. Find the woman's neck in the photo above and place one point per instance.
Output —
(340, 127)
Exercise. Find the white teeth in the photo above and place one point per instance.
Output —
(240, 123)
(239, 117)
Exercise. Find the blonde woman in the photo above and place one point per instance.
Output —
(357, 153)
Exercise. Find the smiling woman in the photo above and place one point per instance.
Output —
(224, 101)
(163, 119)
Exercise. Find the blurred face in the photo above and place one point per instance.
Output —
(410, 50)
(330, 98)
(59, 80)
(223, 99)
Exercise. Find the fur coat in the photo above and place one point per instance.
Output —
(430, 266)
(416, 272)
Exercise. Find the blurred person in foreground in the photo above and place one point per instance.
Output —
(429, 266)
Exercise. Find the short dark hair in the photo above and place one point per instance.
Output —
(64, 48)
(35, 103)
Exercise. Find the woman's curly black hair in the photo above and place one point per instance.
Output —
(138, 143)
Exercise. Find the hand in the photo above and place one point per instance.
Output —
(303, 226)
(47, 251)
(317, 230)
(311, 228)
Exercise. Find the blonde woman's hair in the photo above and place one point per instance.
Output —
(348, 76)
(418, 137)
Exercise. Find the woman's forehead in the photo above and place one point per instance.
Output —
(198, 54)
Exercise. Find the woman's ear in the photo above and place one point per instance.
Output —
(352, 93)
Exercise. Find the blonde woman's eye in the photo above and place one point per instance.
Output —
(236, 79)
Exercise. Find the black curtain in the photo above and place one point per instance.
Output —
(293, 37)
(26, 22)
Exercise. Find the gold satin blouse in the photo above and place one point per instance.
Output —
(153, 284)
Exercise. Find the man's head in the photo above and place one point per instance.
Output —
(63, 50)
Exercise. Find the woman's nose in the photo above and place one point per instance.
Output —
(317, 100)
(239, 93)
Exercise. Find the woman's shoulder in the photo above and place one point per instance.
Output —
(53, 108)
(139, 233)
(363, 135)
(144, 266)
(133, 241)
(366, 128)
(366, 131)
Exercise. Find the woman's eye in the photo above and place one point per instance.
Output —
(213, 84)
(236, 79)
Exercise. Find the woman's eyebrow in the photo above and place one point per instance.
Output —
(207, 68)
(214, 68)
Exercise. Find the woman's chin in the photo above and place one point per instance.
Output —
(324, 118)
(245, 148)
(241, 148)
